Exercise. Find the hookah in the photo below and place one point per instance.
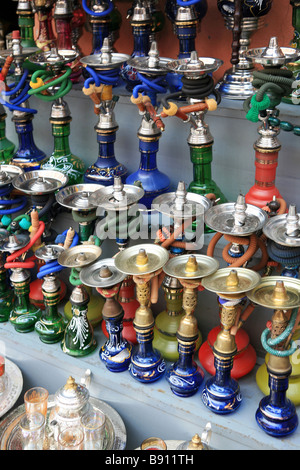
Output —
(78, 340)
(272, 83)
(76, 199)
(9, 203)
(276, 414)
(141, 22)
(240, 224)
(151, 72)
(26, 23)
(104, 70)
(221, 393)
(144, 262)
(282, 232)
(101, 14)
(45, 35)
(183, 208)
(51, 83)
(103, 275)
(185, 376)
(23, 315)
(120, 222)
(243, 18)
(28, 155)
(197, 86)
(50, 327)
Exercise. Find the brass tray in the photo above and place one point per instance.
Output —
(115, 429)
(14, 386)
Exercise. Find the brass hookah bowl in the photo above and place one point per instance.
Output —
(79, 338)
(182, 208)
(241, 225)
(144, 262)
(115, 353)
(221, 393)
(76, 199)
(276, 413)
(184, 376)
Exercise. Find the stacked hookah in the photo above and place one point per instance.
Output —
(197, 86)
(151, 72)
(121, 221)
(240, 224)
(182, 208)
(185, 376)
(78, 339)
(283, 232)
(221, 393)
(243, 17)
(104, 70)
(28, 155)
(51, 83)
(76, 199)
(273, 82)
(276, 413)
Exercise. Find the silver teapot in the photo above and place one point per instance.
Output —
(71, 403)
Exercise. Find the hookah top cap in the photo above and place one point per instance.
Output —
(181, 204)
(49, 252)
(284, 229)
(141, 259)
(273, 55)
(232, 281)
(102, 273)
(14, 242)
(40, 182)
(194, 266)
(79, 256)
(277, 293)
(54, 59)
(8, 172)
(237, 218)
(116, 197)
(106, 60)
(76, 197)
(193, 66)
(152, 64)
(141, 12)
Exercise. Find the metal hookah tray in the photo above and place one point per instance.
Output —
(40, 182)
(95, 61)
(91, 275)
(176, 267)
(109, 199)
(195, 205)
(201, 66)
(141, 64)
(8, 173)
(275, 229)
(14, 387)
(76, 197)
(115, 438)
(289, 54)
(221, 219)
(55, 57)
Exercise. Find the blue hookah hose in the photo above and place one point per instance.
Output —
(186, 3)
(53, 266)
(269, 342)
(149, 86)
(15, 101)
(99, 14)
(22, 201)
(106, 77)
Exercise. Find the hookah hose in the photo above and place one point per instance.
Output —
(100, 13)
(21, 201)
(39, 84)
(18, 93)
(29, 263)
(287, 256)
(149, 86)
(268, 343)
(278, 82)
(122, 224)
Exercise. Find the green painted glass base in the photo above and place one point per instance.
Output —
(7, 148)
(95, 307)
(70, 165)
(69, 345)
(51, 331)
(24, 321)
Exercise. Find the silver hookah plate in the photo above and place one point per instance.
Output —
(193, 206)
(26, 52)
(49, 252)
(79, 256)
(40, 182)
(273, 55)
(102, 274)
(14, 243)
(116, 198)
(76, 197)
(221, 218)
(142, 65)
(193, 66)
(8, 173)
(177, 267)
(54, 57)
(95, 61)
(282, 231)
